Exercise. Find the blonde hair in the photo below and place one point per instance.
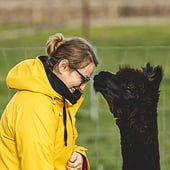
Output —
(77, 51)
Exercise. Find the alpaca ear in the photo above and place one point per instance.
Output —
(154, 74)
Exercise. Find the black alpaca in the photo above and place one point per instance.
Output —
(132, 96)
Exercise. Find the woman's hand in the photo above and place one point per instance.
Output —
(75, 162)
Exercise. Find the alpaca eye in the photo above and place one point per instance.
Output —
(128, 87)
(128, 90)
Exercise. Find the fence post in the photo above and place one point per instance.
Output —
(37, 15)
(93, 103)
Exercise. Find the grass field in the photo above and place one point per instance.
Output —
(119, 45)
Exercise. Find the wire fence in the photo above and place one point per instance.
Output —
(95, 124)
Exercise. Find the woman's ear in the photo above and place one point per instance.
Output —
(62, 66)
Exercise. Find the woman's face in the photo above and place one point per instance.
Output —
(75, 78)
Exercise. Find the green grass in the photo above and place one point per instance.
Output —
(98, 36)
(115, 46)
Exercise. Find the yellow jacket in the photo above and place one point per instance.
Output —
(31, 127)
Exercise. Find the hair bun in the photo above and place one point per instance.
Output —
(59, 40)
(54, 42)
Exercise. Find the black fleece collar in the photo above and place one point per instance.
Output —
(58, 85)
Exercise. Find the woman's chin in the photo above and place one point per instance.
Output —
(72, 90)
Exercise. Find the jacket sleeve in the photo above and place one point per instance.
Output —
(35, 136)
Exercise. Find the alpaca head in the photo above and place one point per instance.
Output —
(128, 87)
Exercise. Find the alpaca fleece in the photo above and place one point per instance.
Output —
(132, 96)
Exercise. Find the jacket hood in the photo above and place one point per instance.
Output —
(30, 75)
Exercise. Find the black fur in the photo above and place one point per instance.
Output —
(132, 96)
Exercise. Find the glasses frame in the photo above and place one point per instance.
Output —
(84, 79)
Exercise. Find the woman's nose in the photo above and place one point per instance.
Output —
(82, 87)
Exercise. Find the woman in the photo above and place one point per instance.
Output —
(37, 128)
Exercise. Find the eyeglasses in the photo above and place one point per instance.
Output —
(84, 79)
